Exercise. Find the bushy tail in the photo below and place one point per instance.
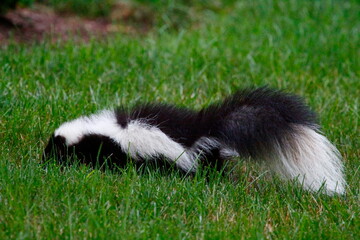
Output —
(281, 131)
(309, 156)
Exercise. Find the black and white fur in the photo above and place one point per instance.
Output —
(269, 126)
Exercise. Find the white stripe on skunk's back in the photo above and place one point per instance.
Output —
(310, 157)
(103, 123)
(140, 139)
(137, 139)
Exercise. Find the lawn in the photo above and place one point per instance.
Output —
(311, 48)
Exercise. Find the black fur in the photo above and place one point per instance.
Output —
(93, 149)
(250, 121)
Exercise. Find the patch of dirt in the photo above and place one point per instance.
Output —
(39, 22)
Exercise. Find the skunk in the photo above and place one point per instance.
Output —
(269, 126)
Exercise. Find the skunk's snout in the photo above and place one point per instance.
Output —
(55, 149)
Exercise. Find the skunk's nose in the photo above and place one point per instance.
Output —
(56, 148)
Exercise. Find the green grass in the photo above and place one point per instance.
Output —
(311, 48)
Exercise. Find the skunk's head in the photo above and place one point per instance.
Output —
(56, 148)
(76, 141)
(92, 149)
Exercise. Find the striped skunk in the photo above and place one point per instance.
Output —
(269, 126)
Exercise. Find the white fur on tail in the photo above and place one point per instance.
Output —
(312, 159)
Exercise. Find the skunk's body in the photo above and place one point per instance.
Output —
(266, 125)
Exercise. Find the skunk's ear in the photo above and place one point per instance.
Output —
(56, 149)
